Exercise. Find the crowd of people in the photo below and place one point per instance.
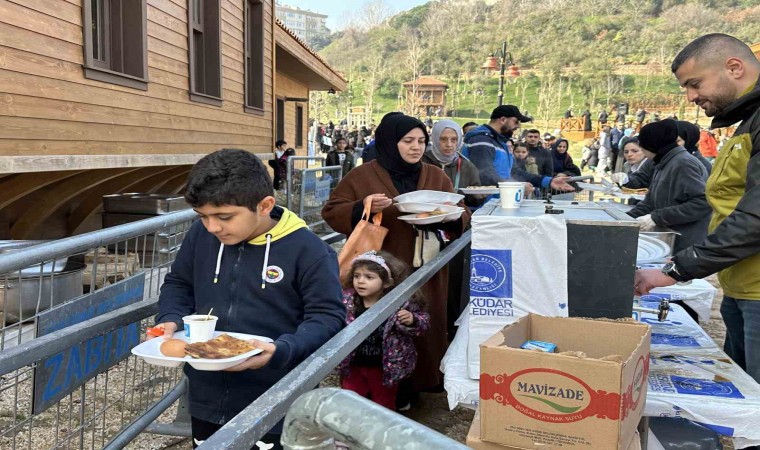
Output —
(263, 272)
(605, 154)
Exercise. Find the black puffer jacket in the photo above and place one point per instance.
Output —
(676, 197)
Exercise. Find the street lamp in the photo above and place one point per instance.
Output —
(504, 59)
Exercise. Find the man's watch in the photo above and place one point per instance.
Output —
(671, 270)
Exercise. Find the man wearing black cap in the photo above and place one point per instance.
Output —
(486, 147)
(722, 75)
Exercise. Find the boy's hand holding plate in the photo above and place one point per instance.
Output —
(257, 361)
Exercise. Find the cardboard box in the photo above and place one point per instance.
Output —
(474, 441)
(529, 398)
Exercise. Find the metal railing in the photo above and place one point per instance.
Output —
(316, 186)
(110, 406)
(294, 166)
(67, 378)
(319, 416)
(261, 415)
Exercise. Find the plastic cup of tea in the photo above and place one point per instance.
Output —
(199, 327)
(511, 194)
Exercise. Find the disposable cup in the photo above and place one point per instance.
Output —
(511, 194)
(198, 329)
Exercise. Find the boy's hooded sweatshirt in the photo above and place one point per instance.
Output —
(298, 305)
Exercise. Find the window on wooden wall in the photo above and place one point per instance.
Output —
(205, 51)
(254, 56)
(280, 119)
(115, 42)
(299, 126)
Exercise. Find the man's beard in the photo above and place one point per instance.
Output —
(721, 100)
(506, 132)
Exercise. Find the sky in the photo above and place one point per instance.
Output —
(335, 9)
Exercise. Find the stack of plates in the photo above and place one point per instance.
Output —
(420, 202)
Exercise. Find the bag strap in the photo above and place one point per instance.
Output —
(377, 218)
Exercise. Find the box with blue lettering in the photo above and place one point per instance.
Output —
(589, 394)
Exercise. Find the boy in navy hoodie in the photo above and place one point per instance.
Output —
(262, 270)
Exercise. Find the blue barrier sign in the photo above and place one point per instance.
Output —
(60, 374)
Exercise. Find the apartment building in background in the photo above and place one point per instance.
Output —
(307, 25)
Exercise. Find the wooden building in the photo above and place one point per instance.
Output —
(426, 96)
(108, 96)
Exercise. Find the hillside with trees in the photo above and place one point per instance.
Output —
(571, 53)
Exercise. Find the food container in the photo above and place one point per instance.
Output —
(663, 234)
(429, 197)
(151, 353)
(511, 194)
(199, 327)
(20, 292)
(137, 203)
(112, 219)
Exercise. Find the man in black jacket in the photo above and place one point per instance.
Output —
(720, 74)
(542, 156)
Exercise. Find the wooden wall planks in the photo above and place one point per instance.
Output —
(47, 107)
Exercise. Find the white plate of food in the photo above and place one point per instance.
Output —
(443, 198)
(150, 351)
(479, 190)
(415, 207)
(426, 218)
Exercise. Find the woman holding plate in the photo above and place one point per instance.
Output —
(401, 141)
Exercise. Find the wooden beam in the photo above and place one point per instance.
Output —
(93, 201)
(180, 188)
(149, 184)
(28, 223)
(14, 188)
(21, 164)
(169, 185)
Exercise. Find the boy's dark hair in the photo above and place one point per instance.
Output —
(340, 139)
(400, 271)
(228, 177)
(521, 144)
(714, 46)
(469, 124)
(280, 142)
(533, 131)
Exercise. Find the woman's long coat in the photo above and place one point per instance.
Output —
(340, 213)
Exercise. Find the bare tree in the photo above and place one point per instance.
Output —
(548, 100)
(413, 64)
(370, 14)
(372, 81)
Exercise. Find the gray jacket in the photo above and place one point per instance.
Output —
(676, 197)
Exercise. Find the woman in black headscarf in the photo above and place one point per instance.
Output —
(401, 142)
(688, 138)
(676, 197)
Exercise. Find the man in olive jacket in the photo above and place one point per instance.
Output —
(720, 74)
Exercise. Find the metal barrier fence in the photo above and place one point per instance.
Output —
(296, 164)
(261, 415)
(67, 378)
(316, 186)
